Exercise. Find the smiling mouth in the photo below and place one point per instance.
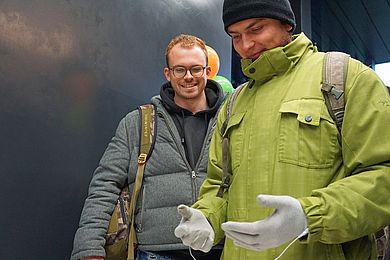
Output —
(255, 55)
(188, 86)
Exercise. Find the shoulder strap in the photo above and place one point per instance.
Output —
(229, 106)
(226, 175)
(147, 138)
(333, 80)
(147, 131)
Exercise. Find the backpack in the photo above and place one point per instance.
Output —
(335, 66)
(120, 237)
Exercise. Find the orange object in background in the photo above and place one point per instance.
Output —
(213, 61)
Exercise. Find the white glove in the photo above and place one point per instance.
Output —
(286, 223)
(194, 229)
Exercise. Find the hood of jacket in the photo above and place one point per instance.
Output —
(192, 128)
(277, 61)
(214, 96)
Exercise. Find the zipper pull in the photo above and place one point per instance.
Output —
(193, 175)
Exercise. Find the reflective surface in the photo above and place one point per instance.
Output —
(69, 71)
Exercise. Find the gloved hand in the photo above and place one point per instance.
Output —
(286, 223)
(194, 229)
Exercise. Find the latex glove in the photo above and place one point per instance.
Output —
(286, 223)
(194, 229)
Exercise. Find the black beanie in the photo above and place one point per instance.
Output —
(237, 10)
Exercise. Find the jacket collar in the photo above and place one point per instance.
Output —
(278, 60)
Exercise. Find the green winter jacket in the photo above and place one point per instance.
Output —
(284, 142)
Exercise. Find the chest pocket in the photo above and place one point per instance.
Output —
(235, 132)
(307, 134)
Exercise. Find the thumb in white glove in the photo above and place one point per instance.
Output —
(194, 230)
(286, 223)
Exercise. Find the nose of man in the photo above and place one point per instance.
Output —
(246, 45)
(188, 75)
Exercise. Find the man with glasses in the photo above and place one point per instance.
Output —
(186, 110)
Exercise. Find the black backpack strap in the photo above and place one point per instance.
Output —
(226, 175)
(333, 80)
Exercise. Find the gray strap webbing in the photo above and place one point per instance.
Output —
(333, 81)
(229, 106)
(226, 175)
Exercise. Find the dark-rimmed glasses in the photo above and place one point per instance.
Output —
(180, 71)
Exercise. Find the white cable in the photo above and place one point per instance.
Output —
(193, 257)
(304, 233)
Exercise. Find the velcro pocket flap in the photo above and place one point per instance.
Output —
(308, 111)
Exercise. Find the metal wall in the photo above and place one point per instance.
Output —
(360, 28)
(69, 71)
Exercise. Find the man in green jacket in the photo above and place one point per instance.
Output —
(293, 174)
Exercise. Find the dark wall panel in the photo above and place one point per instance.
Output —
(357, 27)
(69, 70)
(333, 30)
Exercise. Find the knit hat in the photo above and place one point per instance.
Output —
(237, 10)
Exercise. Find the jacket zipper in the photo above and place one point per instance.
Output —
(212, 125)
(182, 153)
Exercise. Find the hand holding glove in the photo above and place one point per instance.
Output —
(286, 223)
(194, 229)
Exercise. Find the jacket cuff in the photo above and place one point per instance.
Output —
(312, 209)
(85, 253)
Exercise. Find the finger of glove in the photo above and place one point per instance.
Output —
(184, 211)
(271, 201)
(202, 243)
(254, 243)
(288, 210)
(187, 240)
(181, 231)
(244, 238)
(208, 244)
(255, 247)
(249, 228)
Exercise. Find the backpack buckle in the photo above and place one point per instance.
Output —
(142, 158)
(332, 89)
(337, 93)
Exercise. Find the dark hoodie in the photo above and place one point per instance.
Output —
(192, 128)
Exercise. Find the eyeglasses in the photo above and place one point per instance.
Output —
(180, 71)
